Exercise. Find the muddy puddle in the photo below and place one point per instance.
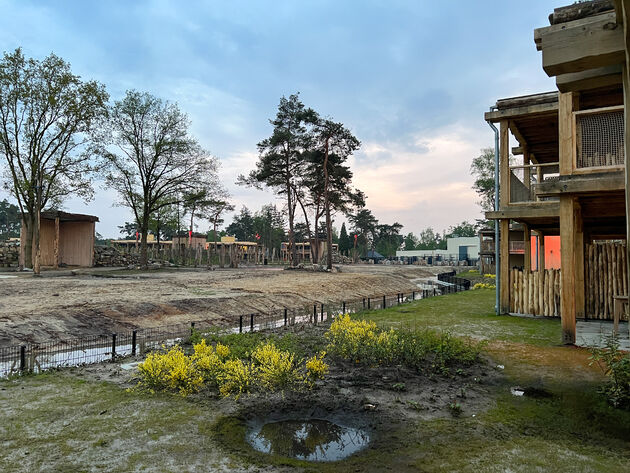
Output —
(316, 440)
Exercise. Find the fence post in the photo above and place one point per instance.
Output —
(134, 336)
(240, 324)
(285, 317)
(22, 358)
(315, 314)
(192, 327)
(344, 307)
(413, 296)
(322, 313)
(113, 347)
(251, 323)
(368, 302)
(384, 302)
(364, 302)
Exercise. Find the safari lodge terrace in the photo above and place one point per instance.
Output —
(561, 161)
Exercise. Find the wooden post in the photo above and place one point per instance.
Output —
(578, 252)
(527, 242)
(567, 275)
(504, 165)
(56, 243)
(541, 251)
(567, 103)
(504, 251)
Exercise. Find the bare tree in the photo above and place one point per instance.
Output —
(152, 160)
(48, 119)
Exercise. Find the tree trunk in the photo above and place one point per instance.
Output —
(327, 207)
(144, 260)
(309, 234)
(36, 238)
(29, 223)
(291, 216)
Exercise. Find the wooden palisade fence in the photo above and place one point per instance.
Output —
(605, 276)
(535, 292)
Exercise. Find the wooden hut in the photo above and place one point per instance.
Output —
(65, 239)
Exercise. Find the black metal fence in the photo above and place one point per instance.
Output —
(94, 349)
(450, 278)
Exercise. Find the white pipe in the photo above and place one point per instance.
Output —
(497, 256)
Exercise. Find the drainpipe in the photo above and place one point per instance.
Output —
(497, 257)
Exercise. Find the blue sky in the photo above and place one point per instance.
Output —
(411, 79)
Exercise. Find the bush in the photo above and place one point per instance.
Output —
(316, 368)
(482, 285)
(171, 371)
(362, 341)
(275, 369)
(267, 368)
(616, 365)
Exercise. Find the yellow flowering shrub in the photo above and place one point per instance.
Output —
(275, 369)
(172, 371)
(491, 276)
(316, 368)
(208, 361)
(236, 378)
(482, 285)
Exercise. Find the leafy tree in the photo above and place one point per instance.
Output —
(269, 225)
(410, 241)
(388, 239)
(333, 144)
(464, 229)
(154, 160)
(242, 226)
(217, 209)
(281, 156)
(364, 225)
(428, 240)
(128, 230)
(482, 168)
(49, 118)
(344, 240)
(163, 223)
(9, 220)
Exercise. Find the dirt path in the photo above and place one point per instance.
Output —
(95, 302)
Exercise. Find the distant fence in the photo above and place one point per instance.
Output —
(95, 349)
(461, 284)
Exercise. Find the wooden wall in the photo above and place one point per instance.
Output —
(76, 243)
(535, 292)
(605, 275)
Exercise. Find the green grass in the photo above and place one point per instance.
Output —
(469, 313)
(62, 422)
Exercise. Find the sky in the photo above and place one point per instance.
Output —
(411, 79)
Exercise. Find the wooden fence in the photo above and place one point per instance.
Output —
(535, 292)
(605, 275)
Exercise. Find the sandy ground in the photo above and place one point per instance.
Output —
(93, 302)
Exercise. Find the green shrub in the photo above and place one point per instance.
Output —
(616, 365)
(362, 341)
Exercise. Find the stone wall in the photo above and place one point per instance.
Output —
(110, 256)
(9, 254)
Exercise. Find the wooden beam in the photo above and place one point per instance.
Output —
(541, 250)
(566, 103)
(590, 79)
(504, 164)
(582, 184)
(543, 109)
(527, 170)
(578, 254)
(526, 210)
(517, 134)
(624, 7)
(581, 45)
(504, 252)
(527, 244)
(567, 273)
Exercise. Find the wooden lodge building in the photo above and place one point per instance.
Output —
(570, 178)
(65, 239)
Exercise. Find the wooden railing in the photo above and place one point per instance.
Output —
(599, 139)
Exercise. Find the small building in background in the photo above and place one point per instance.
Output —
(458, 249)
(65, 239)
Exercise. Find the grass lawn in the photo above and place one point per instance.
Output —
(66, 421)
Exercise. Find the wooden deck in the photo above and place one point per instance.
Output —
(594, 332)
